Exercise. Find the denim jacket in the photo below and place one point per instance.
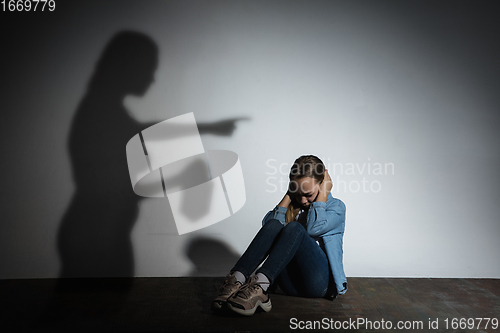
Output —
(325, 220)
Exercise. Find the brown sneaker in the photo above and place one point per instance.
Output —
(226, 290)
(250, 296)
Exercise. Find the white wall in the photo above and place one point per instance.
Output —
(410, 85)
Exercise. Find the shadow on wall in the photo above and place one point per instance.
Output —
(94, 234)
(211, 257)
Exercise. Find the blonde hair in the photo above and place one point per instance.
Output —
(304, 166)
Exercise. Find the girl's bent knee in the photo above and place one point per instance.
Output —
(294, 225)
(294, 228)
(274, 223)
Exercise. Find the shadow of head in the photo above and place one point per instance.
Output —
(127, 64)
(211, 257)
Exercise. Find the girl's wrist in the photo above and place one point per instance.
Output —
(322, 196)
(285, 202)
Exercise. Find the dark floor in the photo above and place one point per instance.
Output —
(183, 304)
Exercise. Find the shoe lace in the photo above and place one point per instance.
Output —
(226, 283)
(250, 287)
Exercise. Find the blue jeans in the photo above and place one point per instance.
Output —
(294, 259)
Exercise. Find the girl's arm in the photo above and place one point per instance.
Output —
(325, 217)
(285, 201)
(279, 211)
(325, 188)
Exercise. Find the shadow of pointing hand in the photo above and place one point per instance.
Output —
(223, 127)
